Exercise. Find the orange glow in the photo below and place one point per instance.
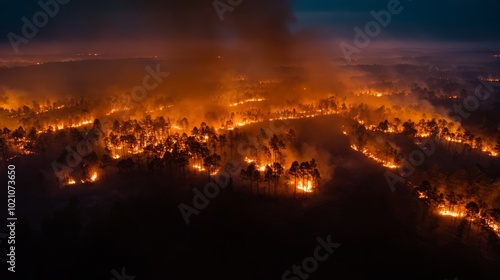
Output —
(387, 164)
(451, 213)
(247, 101)
(199, 167)
(213, 173)
(94, 177)
(303, 188)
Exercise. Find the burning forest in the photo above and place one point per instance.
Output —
(225, 140)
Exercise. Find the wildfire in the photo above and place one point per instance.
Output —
(82, 123)
(451, 213)
(213, 173)
(199, 167)
(421, 195)
(118, 110)
(494, 226)
(385, 163)
(307, 188)
(376, 94)
(71, 182)
(94, 177)
(247, 101)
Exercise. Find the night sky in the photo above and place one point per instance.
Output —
(99, 21)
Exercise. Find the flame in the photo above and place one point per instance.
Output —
(421, 195)
(199, 167)
(308, 188)
(246, 101)
(387, 164)
(213, 173)
(451, 213)
(71, 182)
(94, 177)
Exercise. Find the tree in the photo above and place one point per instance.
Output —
(268, 177)
(212, 164)
(291, 135)
(426, 193)
(472, 209)
(278, 172)
(18, 134)
(294, 171)
(361, 135)
(222, 144)
(248, 174)
(305, 170)
(256, 177)
(4, 150)
(183, 124)
(383, 126)
(409, 129)
(397, 122)
(316, 178)
(276, 145)
(452, 201)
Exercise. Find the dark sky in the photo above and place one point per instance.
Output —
(457, 20)
(99, 21)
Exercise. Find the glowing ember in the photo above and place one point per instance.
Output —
(94, 177)
(385, 163)
(213, 173)
(307, 188)
(451, 213)
(247, 101)
(71, 182)
(199, 167)
(421, 195)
